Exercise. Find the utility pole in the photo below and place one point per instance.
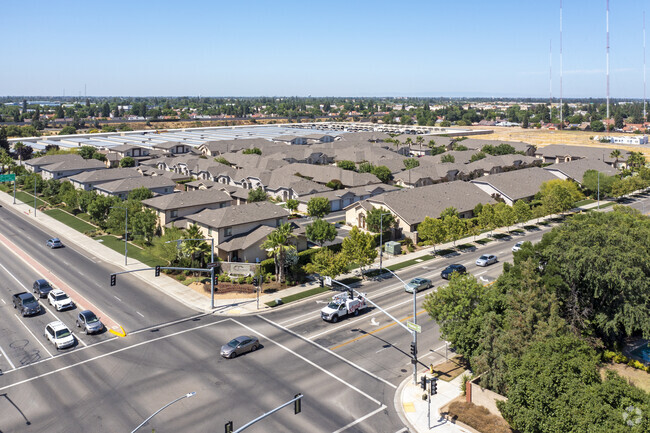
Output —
(381, 240)
(126, 230)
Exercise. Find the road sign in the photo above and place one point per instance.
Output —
(413, 327)
(328, 281)
(7, 177)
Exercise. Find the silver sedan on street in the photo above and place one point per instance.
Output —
(486, 259)
(239, 346)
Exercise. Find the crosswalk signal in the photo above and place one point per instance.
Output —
(434, 387)
(296, 404)
(113, 279)
(157, 274)
(414, 350)
(256, 281)
(423, 382)
(229, 427)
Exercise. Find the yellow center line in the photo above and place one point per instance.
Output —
(376, 330)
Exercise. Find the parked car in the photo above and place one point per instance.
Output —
(239, 346)
(41, 288)
(59, 300)
(54, 243)
(486, 259)
(517, 246)
(418, 284)
(59, 335)
(26, 303)
(446, 273)
(89, 322)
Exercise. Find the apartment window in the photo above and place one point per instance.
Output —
(174, 213)
(227, 231)
(210, 231)
(278, 222)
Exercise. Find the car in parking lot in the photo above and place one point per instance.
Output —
(59, 300)
(446, 273)
(54, 243)
(41, 288)
(26, 303)
(240, 345)
(486, 259)
(517, 246)
(89, 322)
(59, 335)
(418, 284)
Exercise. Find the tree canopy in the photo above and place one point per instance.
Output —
(320, 231)
(318, 207)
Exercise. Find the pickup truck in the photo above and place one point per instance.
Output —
(26, 303)
(342, 305)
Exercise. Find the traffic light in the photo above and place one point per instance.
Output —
(256, 281)
(434, 387)
(350, 293)
(157, 274)
(229, 427)
(296, 404)
(414, 350)
(423, 382)
(216, 280)
(113, 279)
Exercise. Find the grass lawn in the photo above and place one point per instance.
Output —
(411, 262)
(298, 296)
(584, 202)
(608, 204)
(28, 199)
(70, 220)
(133, 251)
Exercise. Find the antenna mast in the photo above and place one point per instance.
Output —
(561, 67)
(607, 16)
(550, 72)
(645, 116)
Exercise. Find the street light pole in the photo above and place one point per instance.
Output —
(381, 240)
(126, 230)
(188, 395)
(34, 196)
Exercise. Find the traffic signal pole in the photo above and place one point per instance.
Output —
(297, 409)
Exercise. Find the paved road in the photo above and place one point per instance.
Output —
(347, 371)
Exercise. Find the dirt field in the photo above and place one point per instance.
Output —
(477, 417)
(451, 369)
(638, 378)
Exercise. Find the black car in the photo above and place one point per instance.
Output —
(42, 288)
(26, 304)
(446, 273)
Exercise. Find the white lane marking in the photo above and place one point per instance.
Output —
(140, 314)
(14, 277)
(107, 354)
(374, 322)
(3, 301)
(363, 418)
(313, 364)
(402, 430)
(383, 348)
(480, 273)
(358, 367)
(13, 367)
(28, 330)
(117, 298)
(80, 340)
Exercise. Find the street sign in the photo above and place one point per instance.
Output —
(328, 281)
(413, 327)
(7, 177)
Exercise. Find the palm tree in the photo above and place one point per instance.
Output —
(277, 243)
(615, 154)
(194, 248)
(419, 140)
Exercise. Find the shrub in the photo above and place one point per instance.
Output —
(224, 278)
(267, 266)
(249, 280)
(241, 280)
(463, 385)
(182, 277)
(268, 277)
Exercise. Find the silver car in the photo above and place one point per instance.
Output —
(240, 345)
(54, 243)
(486, 259)
(418, 284)
(89, 322)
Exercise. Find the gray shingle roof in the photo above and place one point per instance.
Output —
(517, 184)
(126, 185)
(561, 150)
(246, 240)
(238, 215)
(181, 200)
(75, 164)
(107, 175)
(576, 169)
(53, 159)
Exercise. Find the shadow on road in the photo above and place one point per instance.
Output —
(28, 422)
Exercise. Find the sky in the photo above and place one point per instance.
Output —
(321, 48)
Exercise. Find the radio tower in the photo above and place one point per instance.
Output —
(550, 72)
(561, 69)
(607, 18)
(645, 116)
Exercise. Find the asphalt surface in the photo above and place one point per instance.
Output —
(348, 372)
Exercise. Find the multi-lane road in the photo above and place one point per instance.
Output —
(348, 372)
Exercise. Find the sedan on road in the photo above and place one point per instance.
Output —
(89, 322)
(486, 259)
(239, 345)
(418, 284)
(446, 273)
(41, 288)
(517, 246)
(59, 335)
(59, 300)
(54, 243)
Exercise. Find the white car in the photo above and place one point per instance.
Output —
(59, 335)
(517, 246)
(59, 300)
(486, 259)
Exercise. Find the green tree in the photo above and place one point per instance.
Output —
(253, 151)
(59, 112)
(346, 165)
(383, 173)
(257, 194)
(454, 227)
(616, 154)
(144, 224)
(366, 167)
(449, 211)
(593, 183)
(432, 230)
(636, 160)
(106, 110)
(194, 249)
(4, 143)
(375, 221)
(327, 264)
(68, 130)
(87, 152)
(410, 163)
(597, 126)
(292, 204)
(504, 215)
(320, 231)
(522, 212)
(318, 207)
(359, 248)
(448, 158)
(477, 156)
(127, 161)
(140, 194)
(559, 195)
(99, 209)
(278, 244)
(165, 247)
(487, 217)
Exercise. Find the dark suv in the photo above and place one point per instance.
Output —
(41, 288)
(446, 273)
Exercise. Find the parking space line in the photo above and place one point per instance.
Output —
(32, 334)
(358, 367)
(140, 314)
(363, 418)
(13, 367)
(313, 364)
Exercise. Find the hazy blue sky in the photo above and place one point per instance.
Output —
(337, 48)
